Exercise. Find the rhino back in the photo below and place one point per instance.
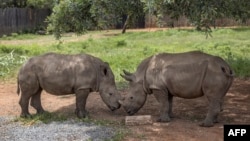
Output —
(182, 74)
(141, 69)
(61, 74)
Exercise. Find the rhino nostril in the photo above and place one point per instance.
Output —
(119, 106)
(112, 108)
(130, 113)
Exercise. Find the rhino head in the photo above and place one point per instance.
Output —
(136, 95)
(107, 88)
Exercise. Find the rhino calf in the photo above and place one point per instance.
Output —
(186, 75)
(60, 74)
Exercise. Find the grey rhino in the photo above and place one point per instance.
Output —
(60, 74)
(186, 75)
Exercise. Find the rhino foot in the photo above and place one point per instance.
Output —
(25, 115)
(171, 115)
(163, 119)
(41, 112)
(206, 124)
(81, 114)
(216, 121)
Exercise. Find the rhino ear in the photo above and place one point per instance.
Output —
(106, 63)
(104, 69)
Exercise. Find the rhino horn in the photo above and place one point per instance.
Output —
(121, 102)
(128, 77)
(127, 73)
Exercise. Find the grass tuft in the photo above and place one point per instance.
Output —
(44, 118)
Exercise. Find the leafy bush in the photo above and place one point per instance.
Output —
(9, 62)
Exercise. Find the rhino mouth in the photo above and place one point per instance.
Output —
(113, 108)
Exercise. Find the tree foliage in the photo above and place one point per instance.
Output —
(13, 3)
(82, 15)
(27, 3)
(71, 15)
(42, 3)
(201, 13)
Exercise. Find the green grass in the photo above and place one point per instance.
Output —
(44, 118)
(126, 51)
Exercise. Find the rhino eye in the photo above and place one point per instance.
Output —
(131, 97)
(110, 94)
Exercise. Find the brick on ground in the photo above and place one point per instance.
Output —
(138, 120)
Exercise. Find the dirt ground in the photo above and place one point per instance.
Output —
(184, 127)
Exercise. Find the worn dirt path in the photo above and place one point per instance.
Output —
(184, 127)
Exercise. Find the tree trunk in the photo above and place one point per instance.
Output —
(125, 24)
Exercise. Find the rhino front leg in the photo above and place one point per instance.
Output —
(163, 98)
(36, 102)
(81, 97)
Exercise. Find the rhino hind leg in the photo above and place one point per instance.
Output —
(36, 102)
(81, 97)
(212, 115)
(221, 109)
(29, 87)
(24, 103)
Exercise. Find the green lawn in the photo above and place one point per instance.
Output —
(125, 51)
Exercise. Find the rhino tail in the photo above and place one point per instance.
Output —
(18, 87)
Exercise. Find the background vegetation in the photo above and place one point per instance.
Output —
(81, 15)
(126, 51)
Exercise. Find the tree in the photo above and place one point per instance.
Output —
(13, 3)
(110, 10)
(72, 16)
(132, 9)
(201, 13)
(41, 3)
(82, 15)
(27, 3)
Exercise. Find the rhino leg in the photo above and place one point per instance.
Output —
(170, 100)
(213, 112)
(165, 107)
(36, 102)
(221, 109)
(81, 97)
(24, 103)
(29, 87)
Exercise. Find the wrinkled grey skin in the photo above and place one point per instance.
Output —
(186, 75)
(60, 74)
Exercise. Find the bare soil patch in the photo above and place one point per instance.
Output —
(185, 126)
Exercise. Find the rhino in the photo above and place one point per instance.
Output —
(186, 75)
(62, 74)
